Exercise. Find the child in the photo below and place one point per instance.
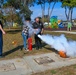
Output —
(25, 32)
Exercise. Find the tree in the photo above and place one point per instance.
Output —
(13, 5)
(28, 2)
(49, 9)
(9, 12)
(23, 5)
(68, 5)
(1, 13)
(42, 3)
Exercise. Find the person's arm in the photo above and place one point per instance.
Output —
(2, 29)
(42, 29)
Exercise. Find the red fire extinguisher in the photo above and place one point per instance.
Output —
(30, 43)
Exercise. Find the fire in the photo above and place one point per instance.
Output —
(62, 54)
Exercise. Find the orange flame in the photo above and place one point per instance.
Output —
(62, 54)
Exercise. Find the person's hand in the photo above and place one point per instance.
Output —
(4, 32)
(36, 29)
(41, 32)
(34, 32)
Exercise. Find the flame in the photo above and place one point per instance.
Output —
(62, 54)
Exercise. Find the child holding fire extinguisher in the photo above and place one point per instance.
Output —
(25, 34)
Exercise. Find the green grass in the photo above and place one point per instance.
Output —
(14, 51)
(53, 72)
(70, 70)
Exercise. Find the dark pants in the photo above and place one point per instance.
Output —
(38, 43)
(1, 43)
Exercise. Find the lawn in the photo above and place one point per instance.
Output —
(70, 70)
(11, 51)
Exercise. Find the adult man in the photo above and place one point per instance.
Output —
(38, 26)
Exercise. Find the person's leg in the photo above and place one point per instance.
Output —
(36, 42)
(24, 40)
(67, 29)
(39, 42)
(1, 45)
(70, 28)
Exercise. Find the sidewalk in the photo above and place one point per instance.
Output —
(33, 64)
(70, 32)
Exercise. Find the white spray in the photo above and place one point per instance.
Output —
(60, 43)
(31, 30)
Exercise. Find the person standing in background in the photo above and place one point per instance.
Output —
(1, 38)
(38, 27)
(69, 26)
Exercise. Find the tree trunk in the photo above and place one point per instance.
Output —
(43, 11)
(52, 9)
(12, 16)
(71, 15)
(24, 2)
(48, 13)
(68, 13)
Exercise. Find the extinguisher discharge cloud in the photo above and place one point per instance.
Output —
(60, 43)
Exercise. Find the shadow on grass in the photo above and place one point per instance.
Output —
(13, 50)
(43, 45)
(13, 31)
(52, 49)
(49, 48)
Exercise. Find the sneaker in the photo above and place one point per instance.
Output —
(37, 48)
(26, 49)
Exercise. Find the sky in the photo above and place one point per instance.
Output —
(58, 11)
